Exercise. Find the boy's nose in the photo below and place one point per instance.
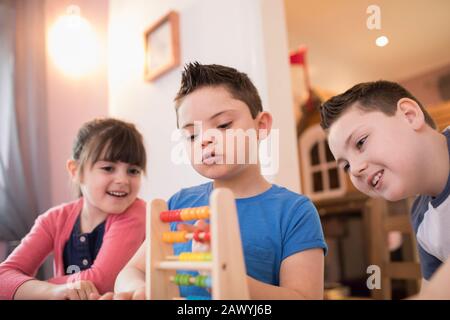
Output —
(358, 168)
(207, 139)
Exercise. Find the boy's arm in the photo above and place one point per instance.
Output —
(301, 277)
(132, 276)
(437, 288)
(423, 285)
(130, 282)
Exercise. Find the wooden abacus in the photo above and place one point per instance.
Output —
(224, 263)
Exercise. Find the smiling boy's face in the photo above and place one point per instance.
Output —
(380, 152)
(215, 113)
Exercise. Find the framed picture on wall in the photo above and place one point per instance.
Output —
(162, 47)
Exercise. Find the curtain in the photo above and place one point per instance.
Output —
(24, 189)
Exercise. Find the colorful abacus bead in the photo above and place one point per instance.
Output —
(203, 213)
(174, 237)
(202, 281)
(170, 216)
(182, 279)
(194, 213)
(187, 214)
(201, 236)
(195, 256)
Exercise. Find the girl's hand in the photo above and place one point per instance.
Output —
(139, 294)
(78, 290)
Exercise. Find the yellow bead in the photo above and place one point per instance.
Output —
(195, 256)
(184, 214)
(204, 213)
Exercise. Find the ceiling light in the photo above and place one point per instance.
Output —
(382, 41)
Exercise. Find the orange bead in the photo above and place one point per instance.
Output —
(174, 237)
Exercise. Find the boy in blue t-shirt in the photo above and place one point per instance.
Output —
(281, 234)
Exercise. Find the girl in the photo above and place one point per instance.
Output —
(93, 237)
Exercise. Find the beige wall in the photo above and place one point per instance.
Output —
(424, 86)
(249, 35)
(71, 102)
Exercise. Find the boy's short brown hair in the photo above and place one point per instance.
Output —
(370, 96)
(239, 85)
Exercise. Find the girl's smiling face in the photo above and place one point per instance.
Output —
(110, 187)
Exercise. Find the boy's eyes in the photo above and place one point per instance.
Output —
(225, 125)
(346, 168)
(360, 143)
(192, 137)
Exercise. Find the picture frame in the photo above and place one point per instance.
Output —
(162, 46)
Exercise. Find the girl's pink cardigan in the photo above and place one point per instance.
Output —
(124, 233)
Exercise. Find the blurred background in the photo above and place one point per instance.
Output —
(65, 62)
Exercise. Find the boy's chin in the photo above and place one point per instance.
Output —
(214, 172)
(389, 196)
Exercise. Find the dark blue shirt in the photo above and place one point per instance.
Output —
(81, 249)
(431, 224)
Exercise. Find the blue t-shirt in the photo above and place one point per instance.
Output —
(274, 225)
(431, 222)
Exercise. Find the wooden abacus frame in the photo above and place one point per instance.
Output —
(227, 266)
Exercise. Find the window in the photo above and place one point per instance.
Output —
(321, 176)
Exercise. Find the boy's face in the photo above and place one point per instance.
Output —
(214, 126)
(379, 152)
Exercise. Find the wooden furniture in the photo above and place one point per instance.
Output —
(441, 115)
(346, 228)
(225, 267)
(384, 218)
(378, 218)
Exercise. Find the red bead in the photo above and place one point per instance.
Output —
(170, 216)
(164, 215)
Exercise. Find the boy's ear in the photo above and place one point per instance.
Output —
(411, 112)
(264, 124)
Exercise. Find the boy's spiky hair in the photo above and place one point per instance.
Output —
(239, 85)
(370, 96)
